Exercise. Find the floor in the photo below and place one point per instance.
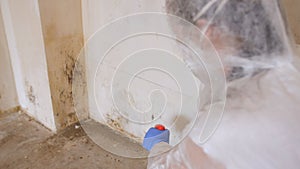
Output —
(25, 144)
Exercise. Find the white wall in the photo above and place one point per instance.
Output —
(97, 13)
(8, 94)
(26, 47)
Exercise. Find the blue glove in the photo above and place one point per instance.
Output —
(154, 136)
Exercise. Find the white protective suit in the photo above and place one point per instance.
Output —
(260, 128)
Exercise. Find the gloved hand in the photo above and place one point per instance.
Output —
(156, 135)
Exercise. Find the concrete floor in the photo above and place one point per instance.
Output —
(25, 144)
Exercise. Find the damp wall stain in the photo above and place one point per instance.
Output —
(118, 123)
(30, 93)
(61, 67)
(291, 9)
(10, 110)
(63, 38)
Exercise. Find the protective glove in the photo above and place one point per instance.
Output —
(156, 135)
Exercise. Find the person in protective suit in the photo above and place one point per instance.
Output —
(261, 121)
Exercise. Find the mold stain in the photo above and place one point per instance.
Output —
(11, 110)
(61, 55)
(117, 124)
(62, 46)
(30, 93)
(69, 65)
(114, 122)
(72, 118)
(61, 79)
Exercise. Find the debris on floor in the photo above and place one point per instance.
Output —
(25, 144)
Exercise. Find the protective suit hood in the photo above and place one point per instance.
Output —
(260, 124)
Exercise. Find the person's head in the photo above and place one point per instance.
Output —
(243, 25)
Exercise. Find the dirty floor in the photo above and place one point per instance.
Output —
(25, 144)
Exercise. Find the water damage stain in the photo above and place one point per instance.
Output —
(118, 123)
(30, 93)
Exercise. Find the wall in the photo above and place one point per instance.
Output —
(293, 17)
(143, 96)
(63, 36)
(44, 38)
(298, 50)
(26, 47)
(98, 13)
(8, 94)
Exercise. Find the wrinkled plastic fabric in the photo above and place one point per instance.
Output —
(261, 121)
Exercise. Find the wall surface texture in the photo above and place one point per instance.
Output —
(8, 93)
(63, 37)
(291, 8)
(28, 60)
(97, 14)
(40, 41)
(143, 104)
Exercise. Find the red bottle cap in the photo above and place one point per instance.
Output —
(160, 127)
